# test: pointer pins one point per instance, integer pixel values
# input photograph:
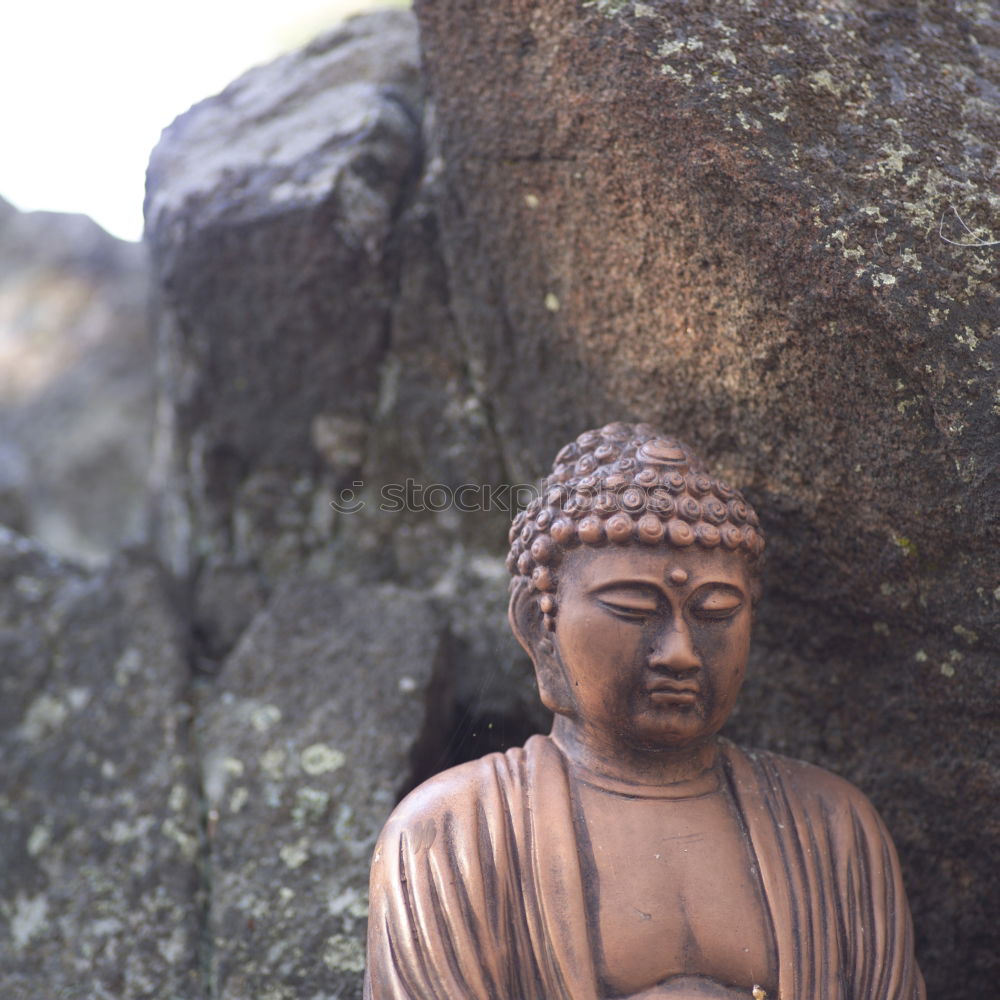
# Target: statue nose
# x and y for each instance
(673, 649)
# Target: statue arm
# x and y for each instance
(880, 954)
(439, 926)
(418, 946)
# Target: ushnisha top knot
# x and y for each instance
(628, 483)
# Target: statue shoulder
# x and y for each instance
(810, 784)
(459, 795)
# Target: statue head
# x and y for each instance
(619, 497)
(620, 485)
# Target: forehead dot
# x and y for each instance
(678, 576)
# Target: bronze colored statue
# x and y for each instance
(633, 852)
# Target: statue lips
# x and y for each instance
(674, 692)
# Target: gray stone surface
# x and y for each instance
(326, 712)
(733, 219)
(99, 802)
(305, 341)
(307, 344)
(76, 383)
(269, 213)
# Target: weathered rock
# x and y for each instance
(99, 803)
(308, 344)
(724, 217)
(326, 712)
(76, 383)
(269, 210)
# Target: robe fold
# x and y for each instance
(477, 891)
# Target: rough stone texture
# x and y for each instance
(724, 217)
(306, 343)
(268, 211)
(326, 712)
(99, 803)
(76, 383)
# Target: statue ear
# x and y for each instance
(525, 619)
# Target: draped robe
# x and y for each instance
(477, 890)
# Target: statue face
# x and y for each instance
(653, 642)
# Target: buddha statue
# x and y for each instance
(634, 852)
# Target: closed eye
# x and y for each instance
(715, 614)
(716, 605)
(629, 602)
(627, 612)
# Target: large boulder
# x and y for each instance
(270, 211)
(76, 383)
(746, 223)
(100, 891)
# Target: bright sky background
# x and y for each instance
(86, 86)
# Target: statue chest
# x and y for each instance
(672, 890)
